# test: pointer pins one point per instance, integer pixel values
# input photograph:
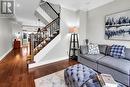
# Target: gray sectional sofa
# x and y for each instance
(119, 68)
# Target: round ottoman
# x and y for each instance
(77, 74)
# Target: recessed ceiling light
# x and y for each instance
(17, 5)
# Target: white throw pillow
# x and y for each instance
(93, 48)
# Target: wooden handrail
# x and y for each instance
(52, 8)
(51, 23)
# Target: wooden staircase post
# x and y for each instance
(30, 58)
(32, 44)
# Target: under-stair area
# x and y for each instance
(47, 37)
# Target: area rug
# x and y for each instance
(52, 80)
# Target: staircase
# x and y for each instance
(49, 14)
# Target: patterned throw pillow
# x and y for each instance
(93, 49)
(117, 51)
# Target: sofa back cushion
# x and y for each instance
(108, 50)
(102, 48)
(127, 53)
(84, 49)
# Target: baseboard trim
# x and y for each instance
(46, 62)
(2, 57)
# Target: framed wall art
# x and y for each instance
(117, 26)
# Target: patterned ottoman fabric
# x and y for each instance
(78, 74)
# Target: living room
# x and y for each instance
(50, 63)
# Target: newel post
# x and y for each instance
(32, 46)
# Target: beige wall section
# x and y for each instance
(16, 28)
(82, 15)
(8, 30)
(96, 22)
(5, 36)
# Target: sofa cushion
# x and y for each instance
(93, 57)
(117, 51)
(84, 49)
(121, 65)
(108, 50)
(93, 48)
(102, 48)
(127, 53)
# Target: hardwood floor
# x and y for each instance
(14, 71)
(51, 68)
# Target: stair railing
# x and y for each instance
(43, 2)
(43, 36)
(52, 8)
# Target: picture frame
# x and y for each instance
(117, 26)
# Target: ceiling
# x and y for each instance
(25, 8)
(24, 11)
(80, 4)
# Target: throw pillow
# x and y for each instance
(108, 50)
(93, 49)
(117, 51)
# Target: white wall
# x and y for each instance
(96, 22)
(82, 26)
(16, 28)
(68, 19)
(5, 37)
